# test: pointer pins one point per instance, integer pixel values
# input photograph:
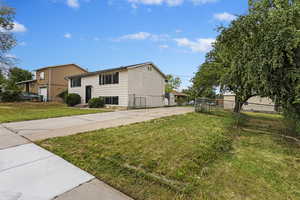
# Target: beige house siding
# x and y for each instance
(120, 89)
(260, 104)
(54, 80)
(229, 101)
(58, 83)
(147, 82)
(142, 81)
(255, 103)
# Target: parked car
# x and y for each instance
(31, 97)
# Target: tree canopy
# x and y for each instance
(172, 84)
(258, 54)
(7, 39)
(17, 74)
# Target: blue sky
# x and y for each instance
(98, 34)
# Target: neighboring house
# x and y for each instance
(139, 85)
(176, 98)
(256, 103)
(50, 81)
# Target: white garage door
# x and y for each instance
(44, 93)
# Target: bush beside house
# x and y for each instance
(10, 96)
(97, 102)
(63, 95)
(73, 99)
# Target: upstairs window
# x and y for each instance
(112, 78)
(42, 75)
(76, 82)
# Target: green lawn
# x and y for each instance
(10, 112)
(192, 156)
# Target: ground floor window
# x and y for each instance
(111, 100)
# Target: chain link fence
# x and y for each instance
(145, 101)
(207, 105)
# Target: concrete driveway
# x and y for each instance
(29, 172)
(62, 126)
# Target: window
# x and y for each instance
(112, 78)
(42, 75)
(116, 78)
(111, 100)
(76, 82)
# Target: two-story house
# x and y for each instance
(139, 85)
(51, 80)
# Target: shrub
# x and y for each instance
(63, 95)
(97, 102)
(10, 96)
(73, 99)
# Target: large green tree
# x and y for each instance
(7, 39)
(172, 84)
(2, 78)
(17, 74)
(259, 54)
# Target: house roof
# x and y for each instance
(55, 66)
(27, 81)
(178, 93)
(228, 93)
(118, 69)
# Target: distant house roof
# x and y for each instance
(27, 81)
(118, 69)
(178, 93)
(55, 66)
(227, 93)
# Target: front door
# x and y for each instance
(88, 93)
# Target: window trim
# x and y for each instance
(42, 77)
(72, 85)
(111, 100)
(111, 78)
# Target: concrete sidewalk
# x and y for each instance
(29, 172)
(62, 126)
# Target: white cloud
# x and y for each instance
(157, 2)
(197, 2)
(22, 43)
(143, 36)
(18, 27)
(224, 17)
(178, 31)
(169, 2)
(164, 46)
(68, 35)
(12, 56)
(202, 45)
(136, 36)
(73, 3)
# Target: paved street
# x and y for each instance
(29, 172)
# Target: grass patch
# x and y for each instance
(192, 156)
(21, 111)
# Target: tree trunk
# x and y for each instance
(239, 102)
(238, 106)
